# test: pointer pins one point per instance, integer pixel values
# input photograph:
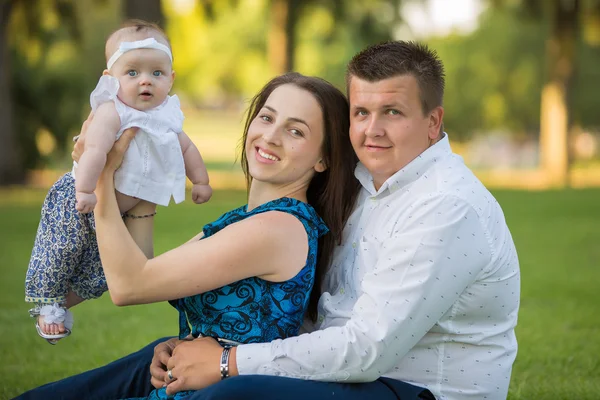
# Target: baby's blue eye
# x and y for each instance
(157, 73)
(132, 72)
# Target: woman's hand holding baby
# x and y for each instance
(86, 202)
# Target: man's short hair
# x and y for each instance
(396, 58)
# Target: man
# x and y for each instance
(425, 288)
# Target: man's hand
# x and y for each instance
(85, 202)
(158, 367)
(194, 365)
(201, 193)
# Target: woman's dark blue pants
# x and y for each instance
(130, 377)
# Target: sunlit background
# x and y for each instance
(522, 75)
(521, 106)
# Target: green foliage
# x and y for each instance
(586, 85)
(221, 52)
(56, 61)
(330, 33)
(219, 56)
(493, 76)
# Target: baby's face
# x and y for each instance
(145, 78)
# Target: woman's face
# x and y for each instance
(284, 141)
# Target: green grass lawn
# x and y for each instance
(557, 235)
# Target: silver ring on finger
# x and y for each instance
(170, 374)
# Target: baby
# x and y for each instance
(133, 91)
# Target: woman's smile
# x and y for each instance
(265, 156)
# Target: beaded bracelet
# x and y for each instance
(127, 215)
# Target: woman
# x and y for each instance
(249, 278)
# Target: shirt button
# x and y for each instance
(342, 291)
(321, 318)
(353, 245)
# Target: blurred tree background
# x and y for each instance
(527, 73)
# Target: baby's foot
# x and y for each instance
(51, 328)
(54, 320)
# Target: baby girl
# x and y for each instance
(133, 91)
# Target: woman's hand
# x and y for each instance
(195, 365)
(115, 156)
(158, 367)
(80, 139)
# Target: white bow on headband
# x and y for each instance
(149, 43)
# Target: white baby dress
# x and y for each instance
(153, 168)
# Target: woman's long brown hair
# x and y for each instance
(331, 193)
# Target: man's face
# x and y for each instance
(387, 126)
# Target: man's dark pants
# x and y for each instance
(130, 377)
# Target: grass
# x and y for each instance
(557, 235)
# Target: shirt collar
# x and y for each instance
(410, 173)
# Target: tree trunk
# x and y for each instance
(148, 10)
(555, 118)
(282, 35)
(11, 168)
(290, 32)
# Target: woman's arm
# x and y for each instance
(272, 245)
(141, 229)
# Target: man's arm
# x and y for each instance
(420, 272)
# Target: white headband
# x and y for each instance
(149, 43)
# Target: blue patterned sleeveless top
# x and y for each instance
(254, 310)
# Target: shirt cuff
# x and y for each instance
(254, 358)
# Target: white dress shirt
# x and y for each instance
(153, 168)
(424, 289)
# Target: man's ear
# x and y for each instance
(105, 72)
(321, 166)
(436, 117)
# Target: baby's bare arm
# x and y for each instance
(194, 165)
(100, 137)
